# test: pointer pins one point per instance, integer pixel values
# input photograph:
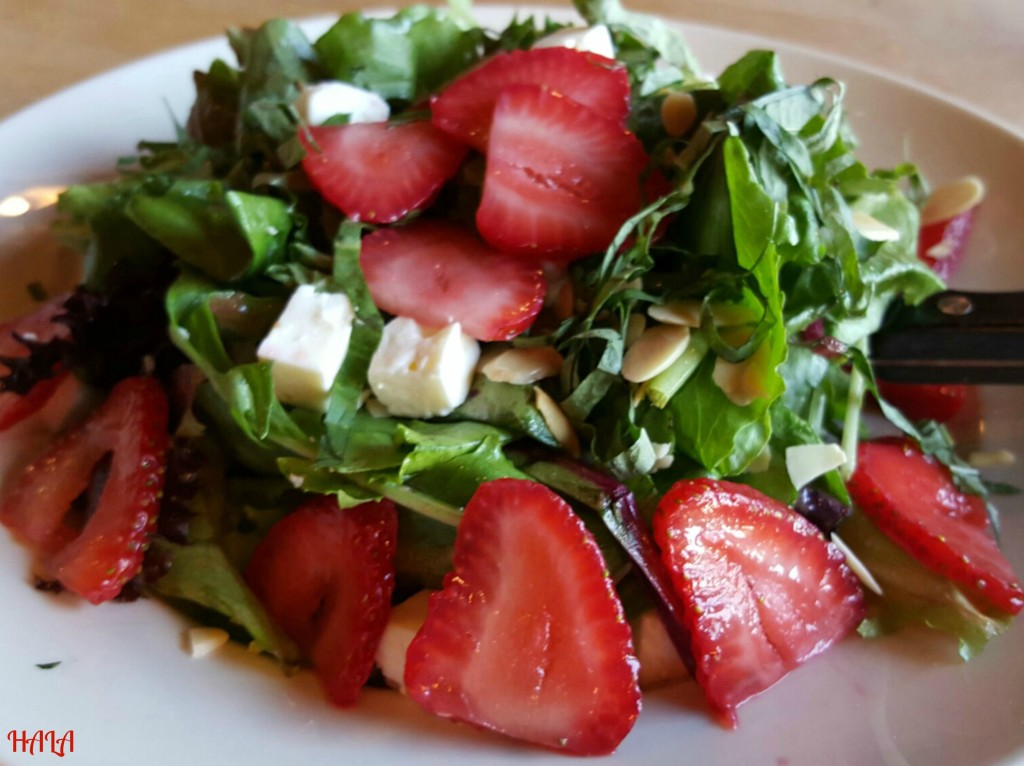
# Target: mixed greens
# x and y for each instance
(201, 241)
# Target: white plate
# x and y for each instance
(131, 694)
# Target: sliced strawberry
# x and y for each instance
(325, 575)
(377, 172)
(528, 637)
(34, 327)
(98, 559)
(438, 273)
(946, 223)
(764, 590)
(14, 408)
(560, 180)
(942, 244)
(465, 107)
(912, 499)
(925, 401)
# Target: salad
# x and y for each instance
(562, 339)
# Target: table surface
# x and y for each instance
(972, 50)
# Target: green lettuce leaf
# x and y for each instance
(407, 56)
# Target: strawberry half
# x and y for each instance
(925, 401)
(96, 560)
(912, 499)
(560, 179)
(465, 107)
(946, 223)
(438, 273)
(36, 327)
(528, 637)
(764, 590)
(378, 172)
(325, 575)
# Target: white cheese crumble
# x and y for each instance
(418, 372)
(307, 346)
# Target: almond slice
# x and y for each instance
(678, 113)
(872, 229)
(654, 351)
(740, 380)
(557, 421)
(857, 566)
(953, 199)
(686, 313)
(203, 641)
(522, 366)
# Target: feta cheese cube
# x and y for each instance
(658, 657)
(596, 39)
(403, 625)
(422, 373)
(323, 100)
(307, 345)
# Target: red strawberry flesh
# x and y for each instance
(37, 326)
(325, 575)
(912, 498)
(942, 244)
(377, 172)
(96, 561)
(528, 637)
(465, 108)
(763, 589)
(560, 180)
(439, 273)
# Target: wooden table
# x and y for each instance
(972, 50)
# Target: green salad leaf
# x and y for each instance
(751, 229)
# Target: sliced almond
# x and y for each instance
(374, 408)
(678, 113)
(403, 623)
(686, 313)
(740, 380)
(953, 199)
(806, 462)
(203, 641)
(522, 366)
(945, 249)
(857, 566)
(654, 351)
(557, 422)
(872, 229)
(658, 656)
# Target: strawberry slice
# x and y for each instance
(946, 223)
(764, 590)
(325, 575)
(925, 401)
(528, 637)
(465, 107)
(560, 179)
(439, 273)
(96, 559)
(36, 327)
(912, 499)
(377, 172)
